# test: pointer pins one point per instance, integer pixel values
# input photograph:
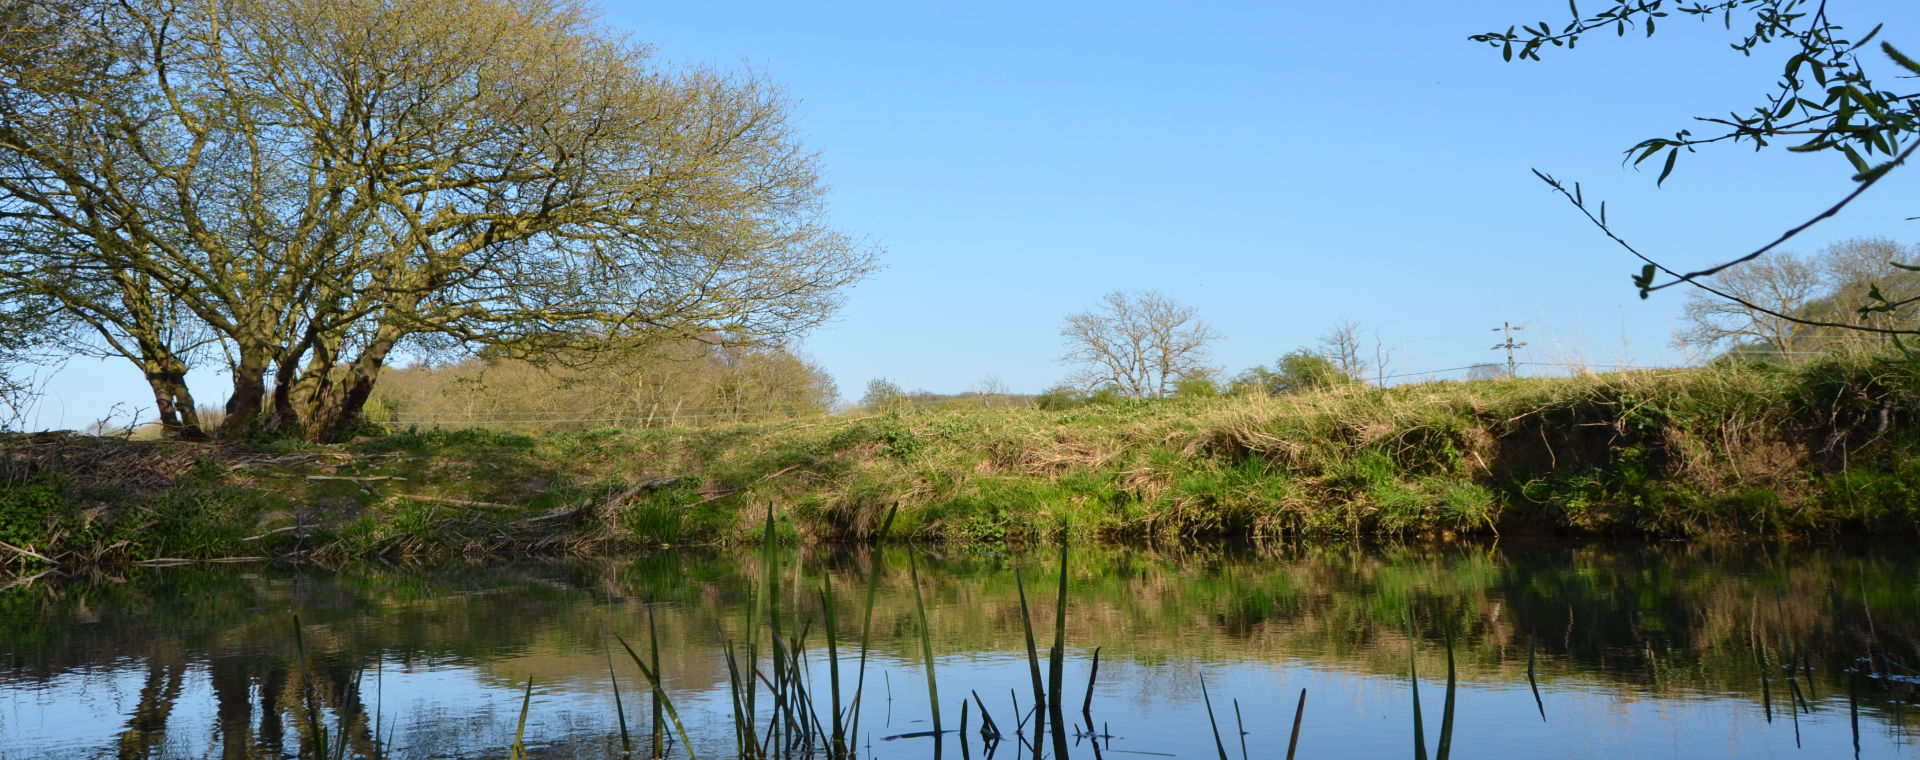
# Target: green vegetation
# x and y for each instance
(417, 176)
(1821, 448)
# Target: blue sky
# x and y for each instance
(1278, 168)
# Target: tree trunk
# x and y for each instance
(248, 399)
(167, 376)
(338, 399)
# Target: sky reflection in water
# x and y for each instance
(1640, 651)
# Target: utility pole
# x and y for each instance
(1507, 328)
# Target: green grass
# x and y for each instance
(1828, 447)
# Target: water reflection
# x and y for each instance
(1662, 648)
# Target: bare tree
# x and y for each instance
(1341, 345)
(1856, 268)
(27, 328)
(1784, 283)
(1142, 343)
(1382, 356)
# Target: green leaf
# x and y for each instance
(1506, 52)
(1644, 280)
(1859, 164)
(1900, 58)
(1672, 155)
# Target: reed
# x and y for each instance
(1057, 656)
(519, 749)
(619, 710)
(866, 621)
(988, 730)
(1535, 685)
(1086, 706)
(1446, 713)
(659, 733)
(926, 643)
(1240, 725)
(837, 743)
(1300, 710)
(1033, 665)
(1211, 723)
(659, 689)
(1419, 729)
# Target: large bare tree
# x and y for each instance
(301, 188)
(1767, 292)
(1141, 343)
(1789, 303)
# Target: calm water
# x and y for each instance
(1659, 651)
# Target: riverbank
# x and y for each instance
(1822, 449)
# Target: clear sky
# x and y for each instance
(1280, 167)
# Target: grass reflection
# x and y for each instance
(1808, 632)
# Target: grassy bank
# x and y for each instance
(1824, 448)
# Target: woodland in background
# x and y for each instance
(687, 383)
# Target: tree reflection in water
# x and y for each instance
(434, 658)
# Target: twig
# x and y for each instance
(1573, 198)
(364, 479)
(170, 561)
(1874, 177)
(29, 553)
(457, 502)
(272, 532)
(26, 581)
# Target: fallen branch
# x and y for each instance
(26, 580)
(456, 502)
(28, 553)
(361, 479)
(272, 532)
(171, 561)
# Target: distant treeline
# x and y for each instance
(688, 383)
